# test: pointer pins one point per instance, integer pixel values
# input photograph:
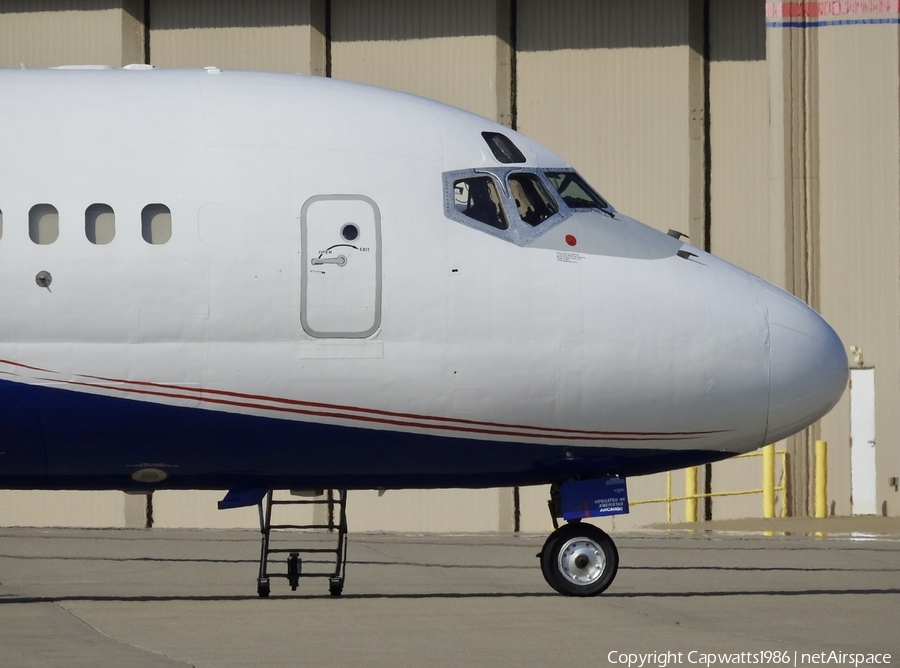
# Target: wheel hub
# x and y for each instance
(581, 561)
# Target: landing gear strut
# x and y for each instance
(579, 559)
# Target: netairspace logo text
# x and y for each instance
(795, 659)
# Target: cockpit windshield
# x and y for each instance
(533, 202)
(518, 204)
(479, 198)
(576, 193)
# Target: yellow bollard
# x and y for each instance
(668, 497)
(768, 457)
(690, 491)
(821, 479)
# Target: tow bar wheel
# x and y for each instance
(579, 560)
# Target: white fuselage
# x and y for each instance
(246, 329)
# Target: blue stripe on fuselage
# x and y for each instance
(54, 438)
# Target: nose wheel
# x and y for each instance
(579, 559)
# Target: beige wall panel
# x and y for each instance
(793, 221)
(835, 430)
(739, 121)
(739, 186)
(421, 510)
(70, 32)
(271, 35)
(445, 510)
(177, 509)
(454, 51)
(860, 231)
(647, 488)
(397, 510)
(606, 85)
(742, 475)
(40, 508)
(778, 65)
(535, 516)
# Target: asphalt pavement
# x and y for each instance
(164, 598)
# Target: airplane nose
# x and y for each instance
(807, 365)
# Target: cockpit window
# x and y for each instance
(576, 193)
(479, 198)
(503, 148)
(516, 204)
(534, 203)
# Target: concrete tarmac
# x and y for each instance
(166, 598)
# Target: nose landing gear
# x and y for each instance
(578, 559)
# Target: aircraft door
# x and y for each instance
(863, 486)
(341, 266)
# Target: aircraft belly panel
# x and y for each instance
(95, 441)
(21, 436)
(341, 266)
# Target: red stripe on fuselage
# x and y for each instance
(353, 413)
(600, 436)
(546, 431)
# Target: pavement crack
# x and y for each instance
(119, 642)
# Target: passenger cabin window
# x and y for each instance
(479, 198)
(534, 203)
(99, 224)
(43, 224)
(156, 224)
(576, 193)
(503, 148)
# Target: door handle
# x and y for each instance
(340, 260)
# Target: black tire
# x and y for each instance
(262, 588)
(335, 587)
(579, 559)
(546, 570)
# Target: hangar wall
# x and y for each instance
(48, 33)
(768, 131)
(858, 249)
(455, 51)
(738, 198)
(272, 35)
(612, 86)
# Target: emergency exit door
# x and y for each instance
(341, 266)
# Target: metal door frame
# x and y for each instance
(305, 258)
